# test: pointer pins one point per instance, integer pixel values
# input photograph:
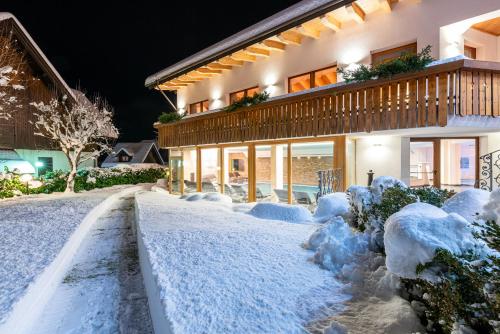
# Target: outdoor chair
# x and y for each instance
(189, 186)
(302, 197)
(282, 195)
(208, 187)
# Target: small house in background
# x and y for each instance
(144, 152)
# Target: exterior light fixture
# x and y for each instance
(38, 164)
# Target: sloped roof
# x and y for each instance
(138, 151)
(279, 22)
(36, 52)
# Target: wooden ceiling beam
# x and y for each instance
(179, 81)
(243, 56)
(230, 61)
(218, 66)
(199, 75)
(208, 70)
(291, 37)
(257, 51)
(331, 22)
(386, 5)
(189, 78)
(356, 12)
(274, 45)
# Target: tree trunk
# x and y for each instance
(70, 183)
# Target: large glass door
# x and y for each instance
(424, 162)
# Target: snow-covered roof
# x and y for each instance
(9, 155)
(38, 52)
(266, 28)
(137, 151)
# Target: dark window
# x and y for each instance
(238, 165)
(236, 96)
(44, 165)
(391, 54)
(317, 78)
(123, 158)
(198, 107)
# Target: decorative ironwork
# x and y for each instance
(490, 171)
(329, 181)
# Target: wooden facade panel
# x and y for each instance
(415, 100)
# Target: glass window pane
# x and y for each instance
(233, 97)
(204, 105)
(270, 173)
(300, 83)
(307, 160)
(252, 91)
(325, 77)
(421, 164)
(175, 168)
(236, 173)
(194, 108)
(189, 162)
(210, 170)
(388, 55)
(458, 164)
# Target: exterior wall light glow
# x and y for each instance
(38, 164)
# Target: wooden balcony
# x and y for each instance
(422, 99)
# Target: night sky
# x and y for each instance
(110, 47)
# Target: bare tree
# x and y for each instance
(13, 74)
(82, 129)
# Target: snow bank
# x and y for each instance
(413, 234)
(491, 210)
(336, 245)
(468, 203)
(212, 197)
(280, 211)
(220, 271)
(331, 205)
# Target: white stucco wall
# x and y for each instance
(58, 158)
(385, 155)
(410, 21)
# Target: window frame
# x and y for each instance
(374, 54)
(472, 50)
(312, 77)
(244, 91)
(200, 103)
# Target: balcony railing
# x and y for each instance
(414, 100)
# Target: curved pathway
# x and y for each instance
(103, 291)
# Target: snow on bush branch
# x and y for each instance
(82, 129)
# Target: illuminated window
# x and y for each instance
(236, 96)
(197, 107)
(318, 78)
(470, 52)
(391, 54)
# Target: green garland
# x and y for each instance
(407, 62)
(248, 101)
(170, 117)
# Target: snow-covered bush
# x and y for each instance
(371, 206)
(279, 211)
(90, 178)
(468, 203)
(331, 205)
(10, 184)
(450, 268)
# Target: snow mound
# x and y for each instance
(336, 245)
(279, 211)
(491, 210)
(381, 183)
(413, 234)
(468, 203)
(159, 189)
(331, 205)
(217, 197)
(193, 197)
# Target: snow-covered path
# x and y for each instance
(103, 291)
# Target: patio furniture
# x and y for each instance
(208, 187)
(282, 195)
(189, 186)
(302, 197)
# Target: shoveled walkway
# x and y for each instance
(103, 292)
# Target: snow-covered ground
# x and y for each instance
(103, 291)
(223, 271)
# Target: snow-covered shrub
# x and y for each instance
(332, 205)
(491, 211)
(91, 178)
(371, 206)
(279, 211)
(468, 203)
(10, 184)
(455, 280)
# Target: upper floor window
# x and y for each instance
(235, 96)
(318, 78)
(391, 54)
(470, 52)
(198, 107)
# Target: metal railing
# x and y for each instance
(490, 171)
(329, 181)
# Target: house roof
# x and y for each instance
(138, 151)
(6, 154)
(275, 24)
(35, 51)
